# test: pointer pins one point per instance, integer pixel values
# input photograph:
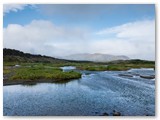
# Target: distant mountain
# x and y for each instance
(12, 55)
(97, 57)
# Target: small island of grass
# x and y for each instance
(118, 65)
(38, 74)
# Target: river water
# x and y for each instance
(92, 95)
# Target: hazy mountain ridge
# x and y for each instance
(96, 57)
(12, 55)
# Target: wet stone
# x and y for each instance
(147, 77)
(116, 113)
(105, 114)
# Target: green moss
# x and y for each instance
(6, 71)
(93, 68)
(34, 73)
(104, 68)
(117, 68)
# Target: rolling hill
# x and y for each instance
(97, 57)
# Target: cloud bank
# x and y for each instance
(134, 39)
(44, 37)
(137, 38)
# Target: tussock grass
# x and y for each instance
(6, 71)
(115, 67)
(41, 72)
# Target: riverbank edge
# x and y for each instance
(8, 82)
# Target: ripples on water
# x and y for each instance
(93, 94)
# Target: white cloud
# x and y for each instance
(138, 29)
(136, 40)
(13, 7)
(43, 37)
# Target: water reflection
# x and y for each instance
(68, 68)
(29, 84)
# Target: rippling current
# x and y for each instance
(92, 95)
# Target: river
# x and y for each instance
(94, 94)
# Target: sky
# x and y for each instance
(64, 29)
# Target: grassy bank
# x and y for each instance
(50, 72)
(44, 73)
(116, 66)
(39, 73)
(6, 70)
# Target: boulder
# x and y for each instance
(125, 75)
(105, 114)
(148, 77)
(116, 113)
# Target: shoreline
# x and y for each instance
(34, 82)
(7, 82)
(30, 82)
